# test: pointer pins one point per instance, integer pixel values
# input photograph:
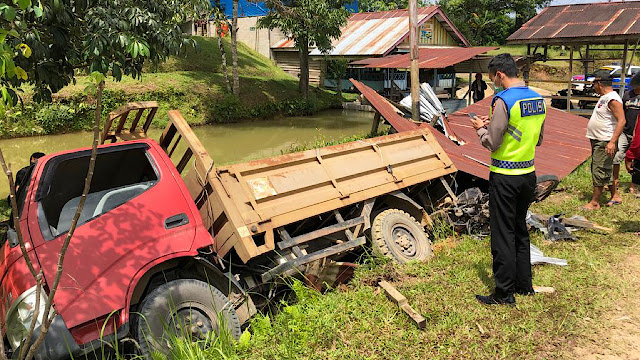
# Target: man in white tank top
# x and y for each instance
(605, 126)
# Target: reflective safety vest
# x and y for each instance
(526, 111)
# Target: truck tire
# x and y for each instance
(397, 235)
(188, 308)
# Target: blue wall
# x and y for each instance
(247, 8)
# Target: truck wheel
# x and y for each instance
(397, 235)
(184, 308)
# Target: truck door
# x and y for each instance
(134, 213)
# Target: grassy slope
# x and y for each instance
(192, 83)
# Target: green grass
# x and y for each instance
(358, 322)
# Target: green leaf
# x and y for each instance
(13, 32)
(134, 51)
(9, 13)
(37, 11)
(20, 73)
(24, 4)
(10, 67)
(245, 338)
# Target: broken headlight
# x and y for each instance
(20, 315)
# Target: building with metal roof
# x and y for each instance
(578, 27)
(374, 34)
(595, 23)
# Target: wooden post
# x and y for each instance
(525, 73)
(623, 77)
(376, 123)
(570, 75)
(415, 78)
(586, 63)
(469, 92)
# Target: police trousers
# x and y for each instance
(509, 200)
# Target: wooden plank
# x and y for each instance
(150, 117)
(400, 300)
(123, 119)
(134, 124)
(585, 224)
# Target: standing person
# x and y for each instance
(604, 128)
(478, 88)
(632, 158)
(512, 134)
(21, 175)
(631, 106)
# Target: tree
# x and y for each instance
(384, 5)
(307, 22)
(44, 45)
(489, 22)
(234, 49)
(221, 23)
(107, 36)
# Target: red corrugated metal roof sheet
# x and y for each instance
(617, 21)
(429, 58)
(564, 146)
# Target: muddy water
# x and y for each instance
(225, 143)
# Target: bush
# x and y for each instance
(55, 118)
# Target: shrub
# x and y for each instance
(55, 118)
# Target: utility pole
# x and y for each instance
(415, 78)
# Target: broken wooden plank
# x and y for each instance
(400, 300)
(585, 224)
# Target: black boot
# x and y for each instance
(526, 292)
(493, 299)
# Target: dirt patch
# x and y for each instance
(619, 334)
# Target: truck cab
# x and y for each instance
(138, 229)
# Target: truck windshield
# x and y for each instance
(119, 176)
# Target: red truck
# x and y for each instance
(143, 258)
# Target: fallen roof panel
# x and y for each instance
(564, 146)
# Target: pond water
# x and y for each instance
(226, 143)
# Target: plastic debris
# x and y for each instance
(537, 257)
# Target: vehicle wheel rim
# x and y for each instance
(191, 322)
(404, 241)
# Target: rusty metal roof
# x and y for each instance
(614, 22)
(429, 58)
(564, 146)
(377, 33)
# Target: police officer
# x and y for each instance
(512, 132)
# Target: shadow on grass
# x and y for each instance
(628, 226)
(483, 274)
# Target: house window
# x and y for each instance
(253, 28)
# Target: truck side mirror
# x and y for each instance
(12, 236)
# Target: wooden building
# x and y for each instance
(373, 34)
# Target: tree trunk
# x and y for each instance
(219, 16)
(303, 51)
(234, 48)
(49, 312)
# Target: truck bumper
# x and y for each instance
(58, 342)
